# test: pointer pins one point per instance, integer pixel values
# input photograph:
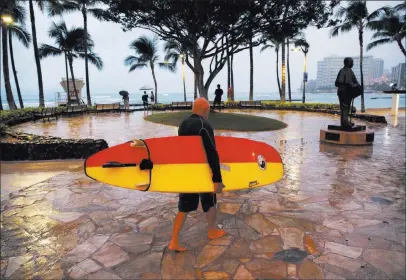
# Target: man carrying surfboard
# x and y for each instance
(197, 124)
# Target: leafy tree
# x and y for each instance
(355, 15)
(390, 26)
(146, 50)
(85, 7)
(70, 43)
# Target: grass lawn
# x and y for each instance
(221, 121)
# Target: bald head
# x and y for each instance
(201, 107)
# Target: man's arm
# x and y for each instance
(212, 156)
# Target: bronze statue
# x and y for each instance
(348, 89)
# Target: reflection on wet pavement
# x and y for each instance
(339, 212)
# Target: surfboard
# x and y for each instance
(178, 164)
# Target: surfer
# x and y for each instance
(197, 124)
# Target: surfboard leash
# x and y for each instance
(147, 164)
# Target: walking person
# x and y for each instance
(197, 124)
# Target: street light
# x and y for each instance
(6, 19)
(183, 75)
(305, 77)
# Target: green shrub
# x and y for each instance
(6, 115)
(3, 129)
(232, 104)
(294, 105)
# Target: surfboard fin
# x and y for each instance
(137, 143)
(141, 187)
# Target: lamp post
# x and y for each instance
(305, 75)
(6, 19)
(183, 75)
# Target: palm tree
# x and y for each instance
(390, 27)
(251, 68)
(146, 50)
(355, 15)
(25, 38)
(70, 43)
(85, 7)
(17, 13)
(7, 85)
(52, 6)
(276, 45)
(173, 51)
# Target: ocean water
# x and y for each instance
(372, 100)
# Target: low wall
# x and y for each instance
(33, 147)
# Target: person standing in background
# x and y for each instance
(152, 97)
(218, 98)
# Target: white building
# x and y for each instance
(329, 67)
(398, 75)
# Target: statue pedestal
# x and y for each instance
(356, 135)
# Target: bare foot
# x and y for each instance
(176, 248)
(216, 233)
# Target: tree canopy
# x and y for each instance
(202, 27)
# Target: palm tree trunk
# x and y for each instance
(9, 93)
(67, 78)
(20, 99)
(228, 62)
(232, 79)
(85, 26)
(155, 83)
(401, 46)
(251, 69)
(73, 78)
(362, 97)
(37, 57)
(282, 93)
(288, 70)
(278, 78)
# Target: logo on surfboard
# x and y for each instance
(261, 162)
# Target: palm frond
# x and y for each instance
(265, 47)
(382, 34)
(172, 56)
(341, 12)
(17, 12)
(99, 14)
(378, 43)
(20, 33)
(334, 31)
(94, 59)
(47, 50)
(145, 46)
(59, 7)
(168, 66)
(346, 27)
(131, 59)
(137, 66)
(400, 7)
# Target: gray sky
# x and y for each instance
(111, 43)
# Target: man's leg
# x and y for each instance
(208, 202)
(186, 204)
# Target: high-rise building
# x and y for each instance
(398, 75)
(329, 67)
(378, 67)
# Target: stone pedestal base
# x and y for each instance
(357, 136)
